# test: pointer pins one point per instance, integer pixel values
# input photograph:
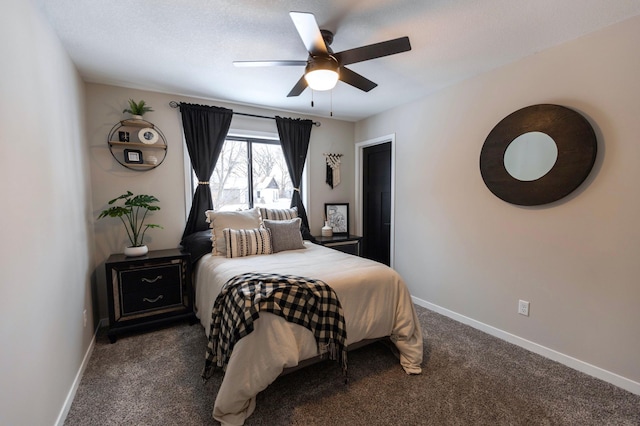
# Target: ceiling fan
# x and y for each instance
(323, 67)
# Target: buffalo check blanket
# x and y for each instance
(304, 301)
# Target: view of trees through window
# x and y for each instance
(250, 173)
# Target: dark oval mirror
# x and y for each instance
(568, 131)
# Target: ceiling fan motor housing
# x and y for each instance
(327, 62)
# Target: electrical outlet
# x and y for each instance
(523, 308)
(84, 317)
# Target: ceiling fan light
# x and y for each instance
(322, 79)
(322, 73)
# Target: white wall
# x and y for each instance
(47, 242)
(577, 260)
(110, 179)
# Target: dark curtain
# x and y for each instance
(294, 139)
(205, 129)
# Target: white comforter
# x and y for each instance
(375, 303)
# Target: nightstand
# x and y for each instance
(345, 243)
(148, 290)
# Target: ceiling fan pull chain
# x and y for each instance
(331, 103)
(311, 98)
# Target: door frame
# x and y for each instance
(359, 147)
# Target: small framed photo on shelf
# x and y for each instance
(133, 156)
(123, 136)
(337, 214)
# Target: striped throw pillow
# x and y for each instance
(247, 242)
(279, 214)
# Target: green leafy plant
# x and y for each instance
(139, 108)
(132, 211)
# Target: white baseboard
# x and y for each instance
(576, 364)
(76, 382)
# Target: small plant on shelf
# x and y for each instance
(132, 211)
(137, 109)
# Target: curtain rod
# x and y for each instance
(174, 104)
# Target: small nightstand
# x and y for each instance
(345, 243)
(148, 290)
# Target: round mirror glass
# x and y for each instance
(530, 156)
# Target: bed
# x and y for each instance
(375, 303)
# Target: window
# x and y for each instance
(250, 172)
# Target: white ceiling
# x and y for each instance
(186, 47)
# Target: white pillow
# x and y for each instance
(285, 234)
(247, 242)
(245, 219)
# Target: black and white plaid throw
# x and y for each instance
(304, 301)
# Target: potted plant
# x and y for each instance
(137, 109)
(132, 211)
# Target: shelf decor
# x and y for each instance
(133, 156)
(148, 135)
(137, 109)
(140, 135)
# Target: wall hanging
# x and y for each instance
(538, 154)
(333, 169)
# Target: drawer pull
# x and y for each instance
(147, 280)
(144, 299)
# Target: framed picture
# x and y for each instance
(337, 215)
(133, 156)
(123, 136)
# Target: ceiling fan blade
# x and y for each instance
(372, 51)
(309, 32)
(356, 80)
(298, 88)
(269, 63)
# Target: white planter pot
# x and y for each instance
(136, 251)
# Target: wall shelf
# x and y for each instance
(124, 138)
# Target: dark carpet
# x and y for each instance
(469, 378)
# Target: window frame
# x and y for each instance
(263, 137)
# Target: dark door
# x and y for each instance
(376, 202)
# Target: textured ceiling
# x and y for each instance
(187, 47)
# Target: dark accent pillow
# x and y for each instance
(198, 244)
(285, 234)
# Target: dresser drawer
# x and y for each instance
(344, 243)
(152, 298)
(141, 279)
(350, 247)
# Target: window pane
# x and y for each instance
(272, 186)
(229, 183)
